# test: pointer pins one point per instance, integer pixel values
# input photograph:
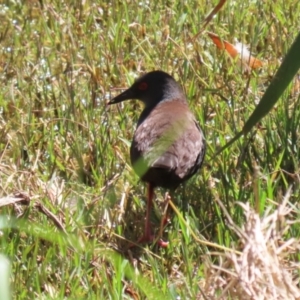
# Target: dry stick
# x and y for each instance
(195, 236)
(23, 197)
(12, 199)
(51, 216)
(207, 20)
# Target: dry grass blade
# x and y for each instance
(261, 271)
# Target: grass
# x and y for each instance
(64, 155)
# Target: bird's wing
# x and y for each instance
(167, 139)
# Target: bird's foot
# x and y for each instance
(149, 239)
(163, 244)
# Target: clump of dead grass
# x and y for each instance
(263, 269)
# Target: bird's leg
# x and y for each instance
(148, 236)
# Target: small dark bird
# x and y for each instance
(168, 146)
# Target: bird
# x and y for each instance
(168, 145)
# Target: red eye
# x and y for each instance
(143, 86)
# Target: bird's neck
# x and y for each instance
(145, 113)
(173, 91)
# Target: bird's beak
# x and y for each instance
(126, 95)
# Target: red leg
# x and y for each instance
(148, 237)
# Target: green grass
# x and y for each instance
(62, 147)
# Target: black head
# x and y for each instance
(152, 88)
